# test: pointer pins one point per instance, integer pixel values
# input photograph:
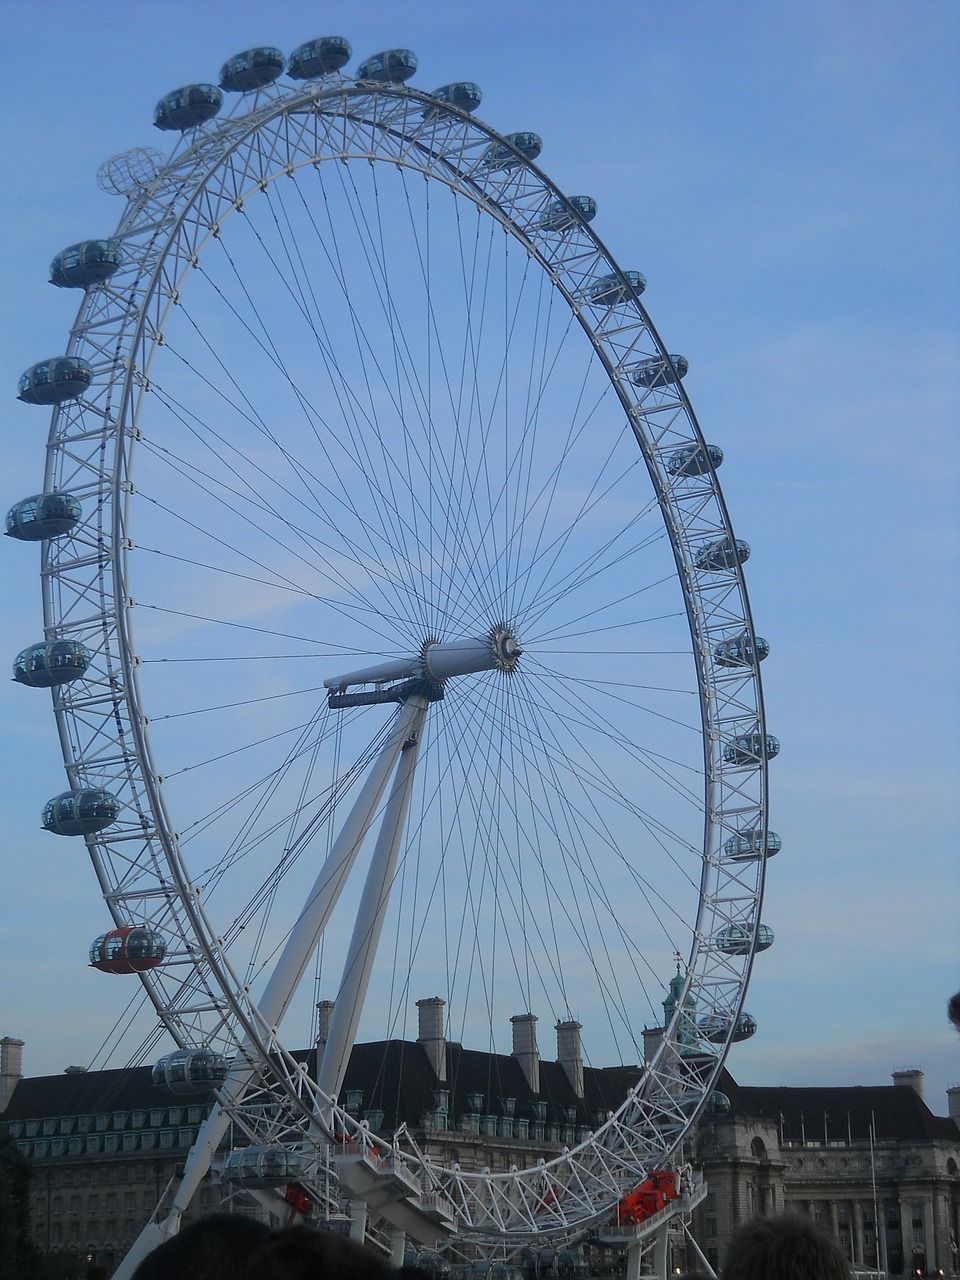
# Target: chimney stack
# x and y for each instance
(525, 1048)
(912, 1078)
(569, 1053)
(652, 1039)
(11, 1068)
(432, 1035)
(953, 1103)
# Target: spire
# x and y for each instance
(686, 1033)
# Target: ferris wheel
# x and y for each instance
(398, 639)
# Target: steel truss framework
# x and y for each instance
(175, 207)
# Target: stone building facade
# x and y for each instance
(873, 1164)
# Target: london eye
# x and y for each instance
(398, 640)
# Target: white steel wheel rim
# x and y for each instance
(172, 232)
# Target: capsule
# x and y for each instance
(81, 265)
(188, 107)
(187, 1071)
(727, 553)
(262, 1167)
(718, 1104)
(51, 663)
(744, 650)
(749, 748)
(43, 515)
(571, 1262)
(610, 290)
(558, 216)
(80, 813)
(694, 460)
(129, 949)
(735, 939)
(658, 372)
(252, 69)
(464, 95)
(318, 58)
(749, 846)
(431, 1265)
(500, 155)
(55, 380)
(393, 66)
(714, 1027)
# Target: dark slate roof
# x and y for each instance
(87, 1092)
(840, 1111)
(395, 1076)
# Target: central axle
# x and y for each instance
(498, 650)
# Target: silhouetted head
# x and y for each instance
(301, 1253)
(214, 1248)
(784, 1248)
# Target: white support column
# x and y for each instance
(398, 1245)
(358, 1220)
(661, 1252)
(635, 1260)
(372, 911)
(282, 984)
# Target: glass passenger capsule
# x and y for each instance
(81, 265)
(743, 650)
(714, 1027)
(501, 156)
(748, 846)
(734, 939)
(318, 58)
(43, 515)
(55, 380)
(50, 663)
(261, 1167)
(252, 69)
(188, 107)
(80, 813)
(129, 949)
(431, 1265)
(727, 553)
(393, 66)
(609, 290)
(571, 1262)
(718, 1104)
(657, 372)
(558, 217)
(694, 460)
(748, 748)
(187, 1071)
(464, 94)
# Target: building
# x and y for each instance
(873, 1164)
(104, 1145)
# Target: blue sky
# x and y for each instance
(785, 175)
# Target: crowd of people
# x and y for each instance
(234, 1247)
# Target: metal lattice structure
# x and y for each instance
(549, 450)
